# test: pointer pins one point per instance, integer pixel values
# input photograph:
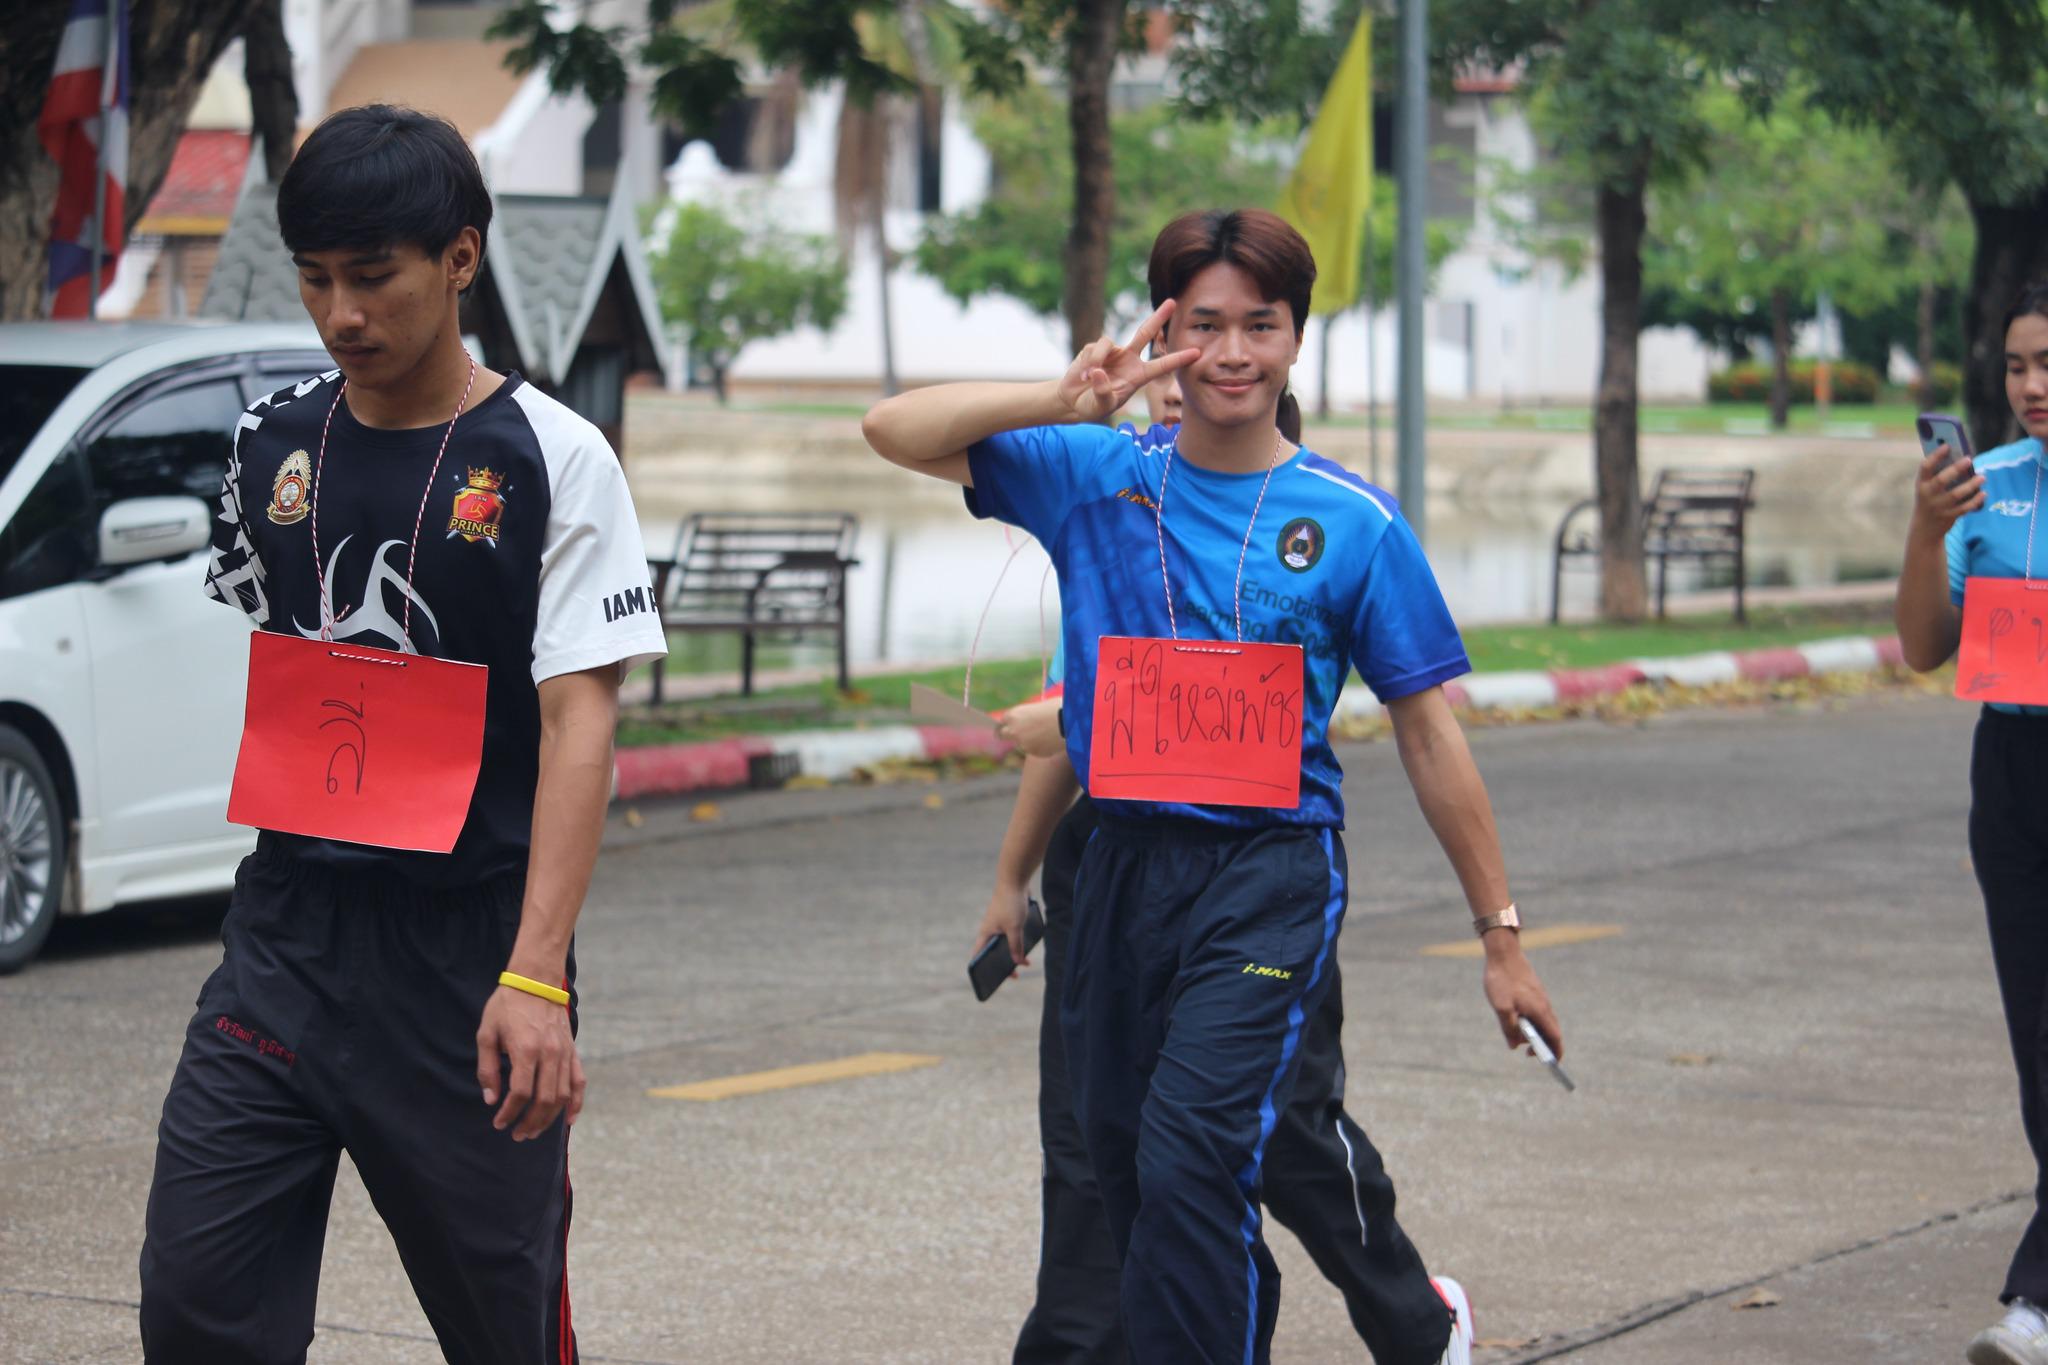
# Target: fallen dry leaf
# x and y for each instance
(634, 819)
(933, 801)
(705, 811)
(1760, 1298)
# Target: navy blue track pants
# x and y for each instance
(1198, 956)
(1324, 1180)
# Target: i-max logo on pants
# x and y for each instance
(1254, 969)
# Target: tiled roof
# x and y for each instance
(253, 280)
(197, 197)
(549, 243)
(546, 247)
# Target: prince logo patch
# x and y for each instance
(479, 508)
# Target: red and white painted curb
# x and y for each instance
(1530, 689)
(725, 764)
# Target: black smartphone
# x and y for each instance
(1937, 429)
(992, 966)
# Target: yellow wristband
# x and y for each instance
(532, 987)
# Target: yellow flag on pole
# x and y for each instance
(1330, 192)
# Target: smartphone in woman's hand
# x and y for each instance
(1938, 429)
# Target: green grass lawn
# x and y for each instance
(1499, 648)
(1737, 419)
(885, 700)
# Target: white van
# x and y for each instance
(121, 683)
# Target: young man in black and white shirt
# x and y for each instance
(359, 1006)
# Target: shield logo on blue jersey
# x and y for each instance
(1300, 544)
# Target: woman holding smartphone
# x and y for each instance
(1976, 519)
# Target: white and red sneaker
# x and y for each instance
(1459, 1352)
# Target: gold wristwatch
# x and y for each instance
(1509, 918)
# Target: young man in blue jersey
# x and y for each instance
(1203, 933)
(1324, 1179)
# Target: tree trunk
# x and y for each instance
(1781, 359)
(2012, 248)
(1623, 590)
(886, 267)
(273, 99)
(1923, 344)
(172, 46)
(1091, 59)
(718, 383)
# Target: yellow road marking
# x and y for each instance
(789, 1077)
(1549, 936)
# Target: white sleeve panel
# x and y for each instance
(596, 604)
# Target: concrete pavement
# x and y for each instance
(1792, 1073)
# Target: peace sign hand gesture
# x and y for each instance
(1105, 375)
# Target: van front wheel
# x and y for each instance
(33, 857)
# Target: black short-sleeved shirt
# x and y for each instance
(530, 562)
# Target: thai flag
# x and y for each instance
(84, 126)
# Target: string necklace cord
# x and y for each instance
(1044, 655)
(967, 683)
(1237, 584)
(2033, 513)
(419, 518)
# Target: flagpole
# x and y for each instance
(1412, 165)
(110, 75)
(1372, 379)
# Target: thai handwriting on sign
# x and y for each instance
(1197, 722)
(2004, 653)
(354, 740)
(304, 764)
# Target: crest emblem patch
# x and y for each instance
(291, 491)
(479, 507)
(1300, 544)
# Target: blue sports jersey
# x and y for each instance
(1991, 542)
(1331, 567)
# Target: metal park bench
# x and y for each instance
(1692, 514)
(776, 574)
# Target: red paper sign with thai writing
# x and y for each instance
(2004, 654)
(368, 746)
(1198, 721)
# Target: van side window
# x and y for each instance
(170, 444)
(53, 537)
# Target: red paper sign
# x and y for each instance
(1206, 722)
(2004, 655)
(368, 746)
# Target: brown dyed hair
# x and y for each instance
(1260, 243)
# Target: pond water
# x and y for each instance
(930, 573)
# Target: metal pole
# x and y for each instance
(1411, 151)
(1372, 361)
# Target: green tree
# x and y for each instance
(1957, 88)
(697, 52)
(1618, 85)
(724, 285)
(1009, 243)
(1786, 214)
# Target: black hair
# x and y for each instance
(2032, 298)
(381, 175)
